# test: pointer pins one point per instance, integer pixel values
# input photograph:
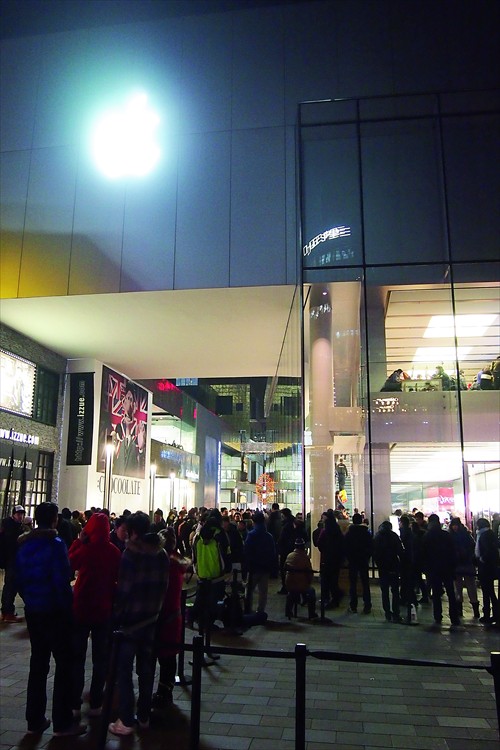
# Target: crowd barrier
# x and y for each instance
(202, 648)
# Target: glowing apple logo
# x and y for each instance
(124, 139)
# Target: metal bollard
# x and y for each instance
(300, 696)
(494, 670)
(198, 649)
(181, 678)
(110, 688)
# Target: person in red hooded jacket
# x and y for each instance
(97, 562)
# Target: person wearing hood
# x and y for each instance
(97, 562)
(388, 553)
(43, 577)
(487, 555)
(142, 582)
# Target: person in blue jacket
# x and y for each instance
(43, 576)
(260, 560)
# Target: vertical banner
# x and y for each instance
(124, 417)
(81, 419)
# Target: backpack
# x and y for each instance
(208, 559)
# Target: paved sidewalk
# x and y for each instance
(249, 703)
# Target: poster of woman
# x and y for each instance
(124, 415)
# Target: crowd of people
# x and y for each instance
(85, 575)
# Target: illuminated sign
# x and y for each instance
(257, 447)
(17, 384)
(385, 405)
(19, 437)
(331, 234)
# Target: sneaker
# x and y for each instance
(120, 729)
(367, 609)
(12, 618)
(73, 731)
(352, 611)
(93, 712)
(41, 729)
(388, 616)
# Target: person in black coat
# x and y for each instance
(331, 546)
(488, 562)
(388, 553)
(286, 543)
(358, 549)
(440, 562)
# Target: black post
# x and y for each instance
(248, 595)
(300, 696)
(181, 678)
(198, 649)
(495, 671)
(107, 703)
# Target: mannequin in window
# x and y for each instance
(341, 473)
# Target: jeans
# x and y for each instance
(9, 590)
(100, 651)
(491, 606)
(259, 581)
(437, 582)
(389, 582)
(362, 571)
(138, 646)
(50, 635)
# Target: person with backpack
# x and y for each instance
(212, 562)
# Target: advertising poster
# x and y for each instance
(123, 416)
(81, 419)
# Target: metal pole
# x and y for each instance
(300, 696)
(194, 742)
(181, 679)
(494, 670)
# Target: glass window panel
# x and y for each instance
(402, 192)
(331, 228)
(472, 158)
(413, 373)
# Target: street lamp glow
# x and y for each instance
(124, 139)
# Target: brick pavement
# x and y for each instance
(249, 703)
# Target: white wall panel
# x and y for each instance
(258, 69)
(19, 71)
(258, 234)
(202, 237)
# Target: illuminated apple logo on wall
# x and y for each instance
(124, 139)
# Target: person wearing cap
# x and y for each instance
(11, 530)
(298, 579)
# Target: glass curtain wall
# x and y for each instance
(401, 334)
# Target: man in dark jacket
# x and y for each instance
(142, 582)
(12, 528)
(358, 550)
(286, 543)
(488, 560)
(260, 560)
(388, 554)
(43, 576)
(440, 561)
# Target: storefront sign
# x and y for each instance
(81, 419)
(19, 437)
(121, 486)
(331, 234)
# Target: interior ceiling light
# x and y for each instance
(124, 139)
(442, 326)
(440, 354)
